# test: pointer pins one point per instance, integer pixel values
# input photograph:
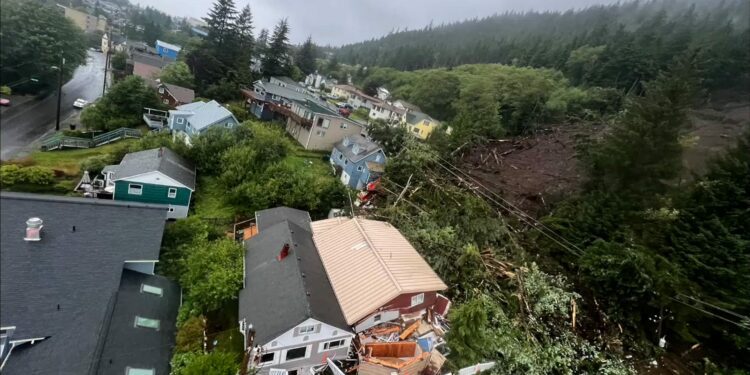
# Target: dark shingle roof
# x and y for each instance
(161, 160)
(278, 295)
(367, 147)
(126, 345)
(182, 94)
(78, 270)
(267, 218)
(150, 60)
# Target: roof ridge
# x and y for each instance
(377, 255)
(293, 245)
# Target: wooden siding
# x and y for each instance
(152, 194)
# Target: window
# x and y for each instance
(415, 129)
(341, 156)
(306, 329)
(359, 169)
(172, 193)
(146, 323)
(417, 299)
(379, 157)
(376, 318)
(165, 101)
(135, 189)
(296, 353)
(180, 120)
(321, 133)
(161, 90)
(268, 357)
(138, 371)
(155, 290)
(275, 97)
(344, 126)
(333, 344)
(326, 123)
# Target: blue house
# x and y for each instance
(360, 161)
(266, 94)
(192, 119)
(167, 50)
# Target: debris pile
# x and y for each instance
(412, 344)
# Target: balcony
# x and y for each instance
(287, 112)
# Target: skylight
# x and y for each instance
(139, 371)
(145, 288)
(146, 322)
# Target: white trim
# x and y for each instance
(308, 351)
(420, 299)
(169, 181)
(135, 189)
(171, 194)
(321, 346)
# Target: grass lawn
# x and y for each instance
(361, 115)
(209, 200)
(312, 161)
(65, 164)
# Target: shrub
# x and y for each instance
(95, 164)
(12, 174)
(190, 335)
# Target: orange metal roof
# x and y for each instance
(370, 263)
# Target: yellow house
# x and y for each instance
(420, 125)
(85, 21)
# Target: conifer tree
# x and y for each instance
(221, 23)
(306, 57)
(276, 59)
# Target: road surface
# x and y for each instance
(21, 126)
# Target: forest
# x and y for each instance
(608, 45)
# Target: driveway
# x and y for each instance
(20, 126)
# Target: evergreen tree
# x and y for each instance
(221, 24)
(306, 57)
(261, 44)
(276, 59)
(245, 30)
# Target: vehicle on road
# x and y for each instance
(80, 103)
(4, 102)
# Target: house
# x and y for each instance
(117, 43)
(317, 126)
(157, 176)
(343, 91)
(420, 125)
(316, 80)
(386, 112)
(289, 83)
(172, 95)
(404, 105)
(359, 99)
(86, 22)
(77, 289)
(265, 97)
(288, 311)
(167, 50)
(383, 93)
(146, 65)
(359, 160)
(192, 119)
(389, 271)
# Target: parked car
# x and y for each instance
(345, 112)
(80, 103)
(4, 102)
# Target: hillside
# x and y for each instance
(610, 46)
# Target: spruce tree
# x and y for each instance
(276, 59)
(221, 24)
(306, 57)
(245, 29)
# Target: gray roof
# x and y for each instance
(182, 94)
(267, 218)
(149, 59)
(280, 294)
(367, 147)
(161, 160)
(78, 270)
(124, 341)
(415, 117)
(203, 114)
(288, 81)
(283, 92)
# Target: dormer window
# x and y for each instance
(355, 148)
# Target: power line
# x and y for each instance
(714, 306)
(710, 313)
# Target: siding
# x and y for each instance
(152, 194)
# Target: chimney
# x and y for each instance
(283, 253)
(33, 229)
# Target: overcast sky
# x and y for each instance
(338, 22)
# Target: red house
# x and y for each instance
(376, 274)
(172, 95)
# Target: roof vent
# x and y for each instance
(33, 229)
(283, 253)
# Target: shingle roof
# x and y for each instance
(281, 91)
(280, 294)
(182, 94)
(78, 270)
(205, 113)
(267, 218)
(161, 160)
(370, 263)
(124, 341)
(367, 147)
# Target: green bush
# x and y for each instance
(190, 335)
(12, 174)
(95, 164)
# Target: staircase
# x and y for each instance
(59, 141)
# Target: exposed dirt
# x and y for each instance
(533, 172)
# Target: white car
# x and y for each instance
(80, 103)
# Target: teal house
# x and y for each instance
(157, 176)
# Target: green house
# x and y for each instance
(157, 176)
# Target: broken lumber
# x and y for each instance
(408, 331)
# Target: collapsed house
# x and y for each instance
(365, 298)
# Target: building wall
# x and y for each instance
(314, 343)
(343, 94)
(402, 304)
(152, 194)
(324, 138)
(356, 178)
(380, 113)
(422, 129)
(85, 21)
(226, 122)
(166, 52)
(166, 98)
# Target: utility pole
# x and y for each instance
(106, 61)
(59, 91)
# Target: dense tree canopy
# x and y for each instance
(35, 38)
(121, 106)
